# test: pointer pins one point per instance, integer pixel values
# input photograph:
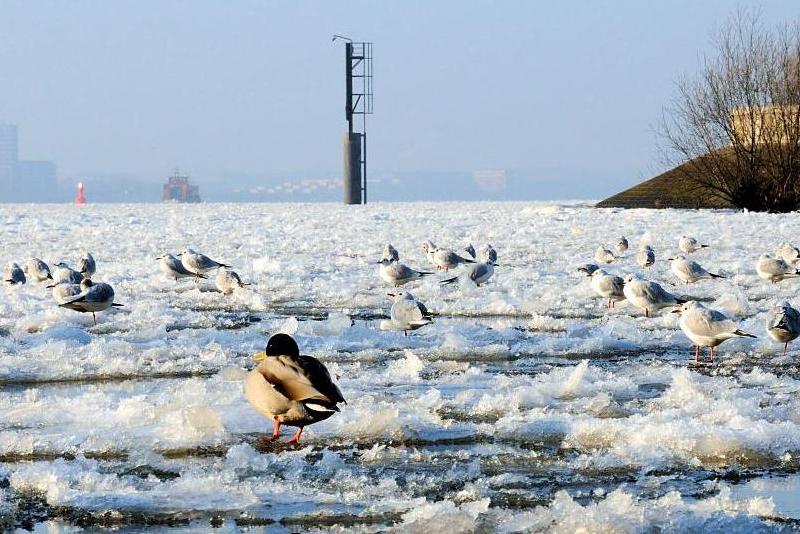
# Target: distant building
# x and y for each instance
(24, 180)
(178, 189)
(35, 181)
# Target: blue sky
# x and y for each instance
(567, 91)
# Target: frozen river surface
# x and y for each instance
(525, 406)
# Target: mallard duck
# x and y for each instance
(289, 388)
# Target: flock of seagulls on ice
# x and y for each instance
(297, 390)
(705, 327)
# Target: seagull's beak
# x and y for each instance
(677, 310)
(260, 357)
(391, 295)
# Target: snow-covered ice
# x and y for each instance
(525, 406)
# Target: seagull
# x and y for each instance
(443, 259)
(65, 273)
(621, 245)
(397, 274)
(646, 257)
(227, 281)
(289, 388)
(488, 254)
(198, 263)
(13, 274)
(689, 244)
(64, 291)
(608, 286)
(775, 269)
(648, 295)
(689, 271)
(429, 248)
(390, 253)
(588, 268)
(94, 297)
(783, 324)
(172, 267)
(408, 313)
(469, 249)
(789, 253)
(603, 255)
(86, 265)
(706, 327)
(477, 272)
(38, 270)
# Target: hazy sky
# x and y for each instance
(551, 89)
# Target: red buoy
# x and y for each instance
(80, 198)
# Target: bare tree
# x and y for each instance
(734, 130)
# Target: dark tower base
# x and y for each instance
(352, 169)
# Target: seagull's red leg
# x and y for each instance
(697, 354)
(296, 437)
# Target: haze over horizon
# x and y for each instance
(563, 97)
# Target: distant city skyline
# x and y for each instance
(563, 97)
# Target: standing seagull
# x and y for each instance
(648, 295)
(689, 271)
(783, 324)
(289, 388)
(621, 245)
(706, 327)
(13, 274)
(775, 269)
(86, 265)
(646, 257)
(172, 267)
(603, 255)
(390, 253)
(477, 272)
(408, 313)
(444, 259)
(689, 244)
(488, 254)
(227, 281)
(38, 270)
(397, 274)
(94, 297)
(608, 286)
(198, 263)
